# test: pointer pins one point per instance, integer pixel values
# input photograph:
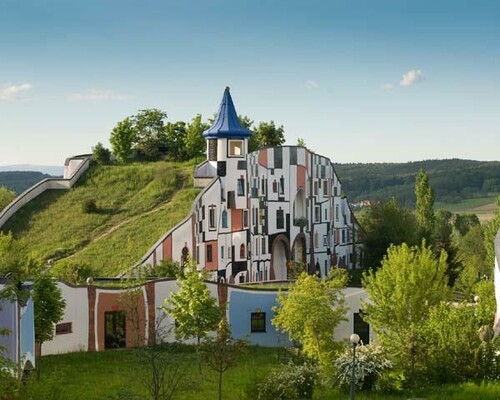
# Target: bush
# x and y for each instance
(89, 206)
(371, 364)
(101, 155)
(288, 382)
(74, 272)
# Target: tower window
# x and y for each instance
(212, 149)
(235, 148)
(224, 219)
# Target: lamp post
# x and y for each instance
(354, 339)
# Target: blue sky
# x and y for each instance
(360, 81)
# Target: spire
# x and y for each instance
(227, 124)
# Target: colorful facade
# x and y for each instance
(260, 212)
(100, 318)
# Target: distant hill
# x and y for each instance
(453, 180)
(19, 181)
(52, 170)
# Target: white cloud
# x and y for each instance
(311, 84)
(388, 86)
(99, 95)
(411, 77)
(12, 91)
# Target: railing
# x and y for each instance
(75, 167)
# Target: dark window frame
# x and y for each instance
(63, 328)
(258, 322)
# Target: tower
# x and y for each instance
(227, 140)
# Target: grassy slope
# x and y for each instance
(55, 226)
(88, 376)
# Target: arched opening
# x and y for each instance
(299, 248)
(242, 252)
(224, 219)
(279, 258)
(299, 209)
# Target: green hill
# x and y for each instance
(136, 205)
(453, 180)
(19, 181)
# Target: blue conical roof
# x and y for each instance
(227, 124)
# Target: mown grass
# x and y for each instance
(55, 226)
(105, 375)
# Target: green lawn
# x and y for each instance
(137, 204)
(114, 374)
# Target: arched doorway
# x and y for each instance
(184, 255)
(299, 248)
(279, 258)
(299, 209)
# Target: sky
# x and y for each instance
(358, 80)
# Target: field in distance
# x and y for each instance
(483, 207)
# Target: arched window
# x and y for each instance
(242, 251)
(224, 219)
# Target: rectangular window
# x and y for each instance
(280, 219)
(336, 212)
(258, 322)
(325, 240)
(263, 245)
(325, 189)
(209, 253)
(326, 214)
(211, 217)
(278, 157)
(293, 155)
(316, 240)
(335, 190)
(343, 236)
(212, 149)
(256, 247)
(235, 148)
(245, 218)
(64, 327)
(315, 188)
(317, 213)
(222, 252)
(241, 186)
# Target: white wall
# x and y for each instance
(76, 312)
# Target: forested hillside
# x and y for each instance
(452, 180)
(19, 181)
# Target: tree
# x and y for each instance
(410, 281)
(49, 308)
(450, 335)
(301, 142)
(194, 309)
(385, 224)
(472, 255)
(267, 134)
(490, 231)
(149, 127)
(6, 197)
(175, 138)
(222, 352)
(100, 154)
(194, 141)
(122, 139)
(309, 312)
(443, 240)
(424, 204)
(14, 264)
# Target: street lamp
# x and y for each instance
(354, 339)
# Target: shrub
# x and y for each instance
(288, 382)
(101, 155)
(89, 206)
(73, 272)
(371, 364)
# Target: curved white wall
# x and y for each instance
(74, 168)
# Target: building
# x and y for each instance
(260, 212)
(17, 318)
